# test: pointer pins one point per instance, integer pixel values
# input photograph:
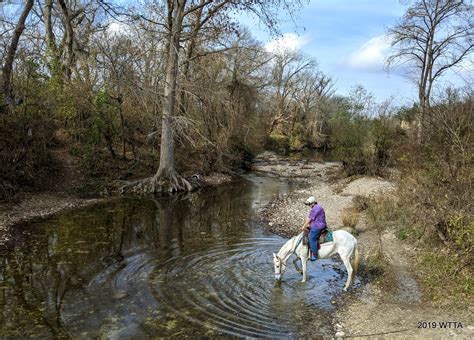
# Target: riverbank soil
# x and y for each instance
(391, 302)
(61, 193)
(67, 189)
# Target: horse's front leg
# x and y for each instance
(304, 261)
(295, 262)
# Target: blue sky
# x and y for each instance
(347, 38)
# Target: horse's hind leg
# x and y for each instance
(295, 262)
(347, 263)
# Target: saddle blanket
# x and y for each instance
(326, 237)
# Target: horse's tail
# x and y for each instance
(355, 260)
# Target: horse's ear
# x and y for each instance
(274, 255)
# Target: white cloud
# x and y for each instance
(287, 42)
(116, 28)
(371, 56)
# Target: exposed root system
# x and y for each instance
(171, 184)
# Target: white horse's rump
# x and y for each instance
(343, 244)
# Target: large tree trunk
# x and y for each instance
(69, 39)
(54, 60)
(10, 57)
(166, 178)
(420, 118)
(167, 158)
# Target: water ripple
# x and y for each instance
(230, 289)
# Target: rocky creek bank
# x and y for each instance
(387, 305)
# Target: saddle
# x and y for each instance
(324, 237)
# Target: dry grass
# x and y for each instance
(447, 277)
(361, 203)
(350, 217)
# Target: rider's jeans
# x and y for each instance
(313, 239)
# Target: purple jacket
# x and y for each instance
(317, 217)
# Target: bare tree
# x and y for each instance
(178, 28)
(432, 37)
(10, 57)
(314, 89)
(289, 66)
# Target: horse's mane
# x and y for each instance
(289, 246)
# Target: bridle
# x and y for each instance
(279, 267)
(280, 264)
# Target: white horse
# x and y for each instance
(343, 243)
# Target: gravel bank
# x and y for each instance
(374, 310)
(286, 215)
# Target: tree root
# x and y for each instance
(171, 184)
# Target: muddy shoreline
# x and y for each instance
(28, 207)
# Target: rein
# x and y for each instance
(294, 250)
(298, 243)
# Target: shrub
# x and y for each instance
(439, 267)
(350, 218)
(24, 150)
(278, 143)
(361, 203)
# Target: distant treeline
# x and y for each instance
(167, 89)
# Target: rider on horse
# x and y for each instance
(316, 223)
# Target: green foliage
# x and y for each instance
(437, 177)
(437, 263)
(98, 123)
(440, 268)
(347, 142)
(278, 143)
(407, 114)
(298, 139)
(26, 135)
(364, 145)
(102, 127)
(402, 234)
(347, 136)
(283, 144)
(434, 206)
(460, 229)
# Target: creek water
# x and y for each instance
(194, 266)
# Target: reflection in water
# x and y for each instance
(195, 265)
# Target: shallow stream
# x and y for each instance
(199, 265)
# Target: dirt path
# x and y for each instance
(386, 306)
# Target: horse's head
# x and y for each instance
(279, 265)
